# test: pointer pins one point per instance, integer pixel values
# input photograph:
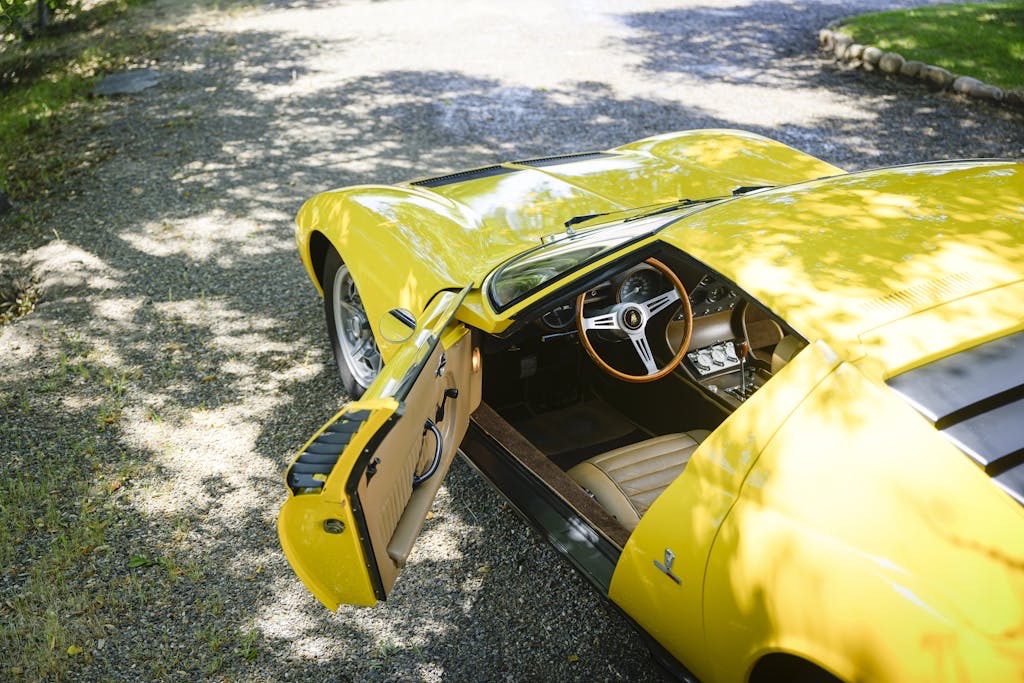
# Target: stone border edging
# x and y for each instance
(869, 58)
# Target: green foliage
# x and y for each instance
(18, 295)
(27, 18)
(983, 40)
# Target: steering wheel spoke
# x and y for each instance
(659, 303)
(605, 321)
(632, 320)
(643, 349)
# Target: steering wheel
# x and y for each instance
(630, 320)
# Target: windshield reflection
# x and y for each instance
(528, 272)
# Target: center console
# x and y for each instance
(719, 370)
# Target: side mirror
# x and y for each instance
(397, 325)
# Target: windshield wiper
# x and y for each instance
(682, 203)
(660, 207)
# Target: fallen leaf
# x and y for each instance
(208, 378)
(74, 650)
(484, 569)
(573, 658)
(114, 485)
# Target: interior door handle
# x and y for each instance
(448, 393)
(419, 479)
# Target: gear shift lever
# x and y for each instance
(744, 349)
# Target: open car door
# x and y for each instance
(362, 486)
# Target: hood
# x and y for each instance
(898, 265)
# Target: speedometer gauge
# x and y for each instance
(641, 285)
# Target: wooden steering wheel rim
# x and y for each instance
(668, 367)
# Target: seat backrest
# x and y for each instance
(785, 350)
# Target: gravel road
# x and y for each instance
(178, 351)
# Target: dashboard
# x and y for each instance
(713, 357)
(710, 295)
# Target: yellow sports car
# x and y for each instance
(772, 410)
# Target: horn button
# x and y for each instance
(632, 318)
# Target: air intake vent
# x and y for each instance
(975, 399)
(926, 294)
(309, 472)
(463, 176)
(562, 159)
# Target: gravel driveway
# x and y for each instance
(178, 358)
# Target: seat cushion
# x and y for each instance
(626, 481)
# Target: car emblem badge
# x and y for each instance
(631, 319)
(666, 568)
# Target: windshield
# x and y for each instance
(528, 272)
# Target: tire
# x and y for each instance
(348, 328)
(786, 668)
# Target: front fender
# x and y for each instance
(401, 246)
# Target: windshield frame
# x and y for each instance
(635, 229)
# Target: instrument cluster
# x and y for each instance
(634, 286)
(711, 295)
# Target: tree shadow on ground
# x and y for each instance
(187, 287)
(762, 48)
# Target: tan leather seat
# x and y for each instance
(785, 350)
(626, 481)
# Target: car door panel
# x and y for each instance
(354, 512)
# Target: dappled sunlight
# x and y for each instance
(836, 480)
(223, 322)
(177, 358)
(64, 268)
(205, 460)
(211, 237)
(121, 310)
(688, 516)
(398, 624)
(840, 260)
(771, 108)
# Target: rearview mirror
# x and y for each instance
(397, 325)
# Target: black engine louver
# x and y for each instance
(975, 399)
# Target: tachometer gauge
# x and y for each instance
(641, 285)
(559, 318)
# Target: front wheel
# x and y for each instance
(355, 349)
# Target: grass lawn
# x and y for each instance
(983, 40)
(45, 81)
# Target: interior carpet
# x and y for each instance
(572, 434)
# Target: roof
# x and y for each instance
(900, 264)
(505, 209)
